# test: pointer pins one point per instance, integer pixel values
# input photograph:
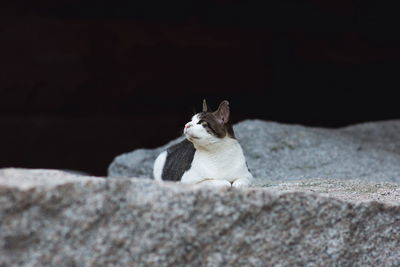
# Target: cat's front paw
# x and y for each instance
(241, 183)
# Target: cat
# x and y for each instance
(209, 155)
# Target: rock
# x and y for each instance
(53, 218)
(275, 151)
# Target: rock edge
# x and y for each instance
(55, 218)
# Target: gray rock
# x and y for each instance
(274, 151)
(52, 218)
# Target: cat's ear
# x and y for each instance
(223, 112)
(205, 107)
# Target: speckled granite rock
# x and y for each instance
(52, 218)
(274, 151)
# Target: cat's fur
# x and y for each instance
(209, 155)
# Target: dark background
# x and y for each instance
(84, 81)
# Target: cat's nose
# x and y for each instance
(188, 125)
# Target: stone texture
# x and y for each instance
(53, 218)
(275, 151)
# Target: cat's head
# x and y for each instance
(207, 127)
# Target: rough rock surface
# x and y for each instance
(274, 151)
(53, 218)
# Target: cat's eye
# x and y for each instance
(203, 122)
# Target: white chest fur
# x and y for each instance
(221, 161)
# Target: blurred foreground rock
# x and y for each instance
(54, 218)
(274, 151)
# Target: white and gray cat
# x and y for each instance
(210, 154)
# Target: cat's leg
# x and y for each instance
(216, 183)
(191, 177)
(241, 182)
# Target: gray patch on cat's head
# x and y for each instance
(217, 123)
